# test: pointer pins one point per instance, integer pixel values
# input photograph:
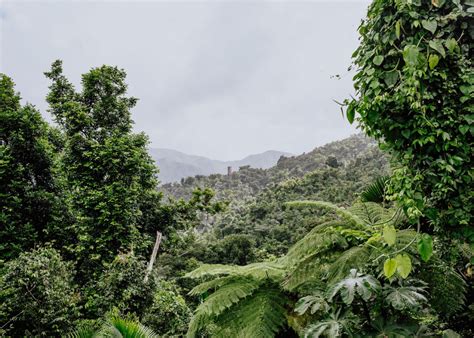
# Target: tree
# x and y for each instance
(37, 295)
(28, 190)
(415, 85)
(109, 175)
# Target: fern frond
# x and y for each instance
(227, 295)
(212, 284)
(272, 269)
(212, 270)
(261, 315)
(311, 270)
(342, 213)
(372, 213)
(447, 288)
(353, 258)
(319, 240)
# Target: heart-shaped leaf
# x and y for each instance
(389, 267)
(437, 46)
(433, 61)
(425, 247)
(429, 25)
(403, 265)
(410, 55)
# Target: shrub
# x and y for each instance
(37, 295)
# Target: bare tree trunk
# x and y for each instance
(153, 255)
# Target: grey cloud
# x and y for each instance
(220, 79)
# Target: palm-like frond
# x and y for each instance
(375, 192)
(117, 327)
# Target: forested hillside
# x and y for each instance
(175, 165)
(247, 181)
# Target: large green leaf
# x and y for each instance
(410, 55)
(403, 265)
(425, 247)
(389, 267)
(433, 61)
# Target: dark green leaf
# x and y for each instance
(425, 247)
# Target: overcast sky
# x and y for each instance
(219, 79)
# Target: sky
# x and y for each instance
(222, 79)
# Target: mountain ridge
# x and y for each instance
(175, 165)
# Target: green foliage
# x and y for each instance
(405, 297)
(37, 295)
(121, 287)
(356, 284)
(414, 82)
(109, 174)
(335, 325)
(116, 327)
(168, 315)
(28, 202)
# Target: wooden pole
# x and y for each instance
(153, 255)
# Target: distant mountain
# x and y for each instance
(175, 165)
(357, 152)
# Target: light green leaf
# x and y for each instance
(451, 44)
(389, 234)
(425, 247)
(429, 25)
(403, 265)
(410, 55)
(378, 60)
(437, 46)
(389, 267)
(433, 61)
(437, 3)
(397, 29)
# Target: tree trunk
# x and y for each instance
(153, 255)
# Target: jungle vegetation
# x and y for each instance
(366, 237)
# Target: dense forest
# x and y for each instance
(371, 236)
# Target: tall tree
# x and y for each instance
(109, 174)
(27, 185)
